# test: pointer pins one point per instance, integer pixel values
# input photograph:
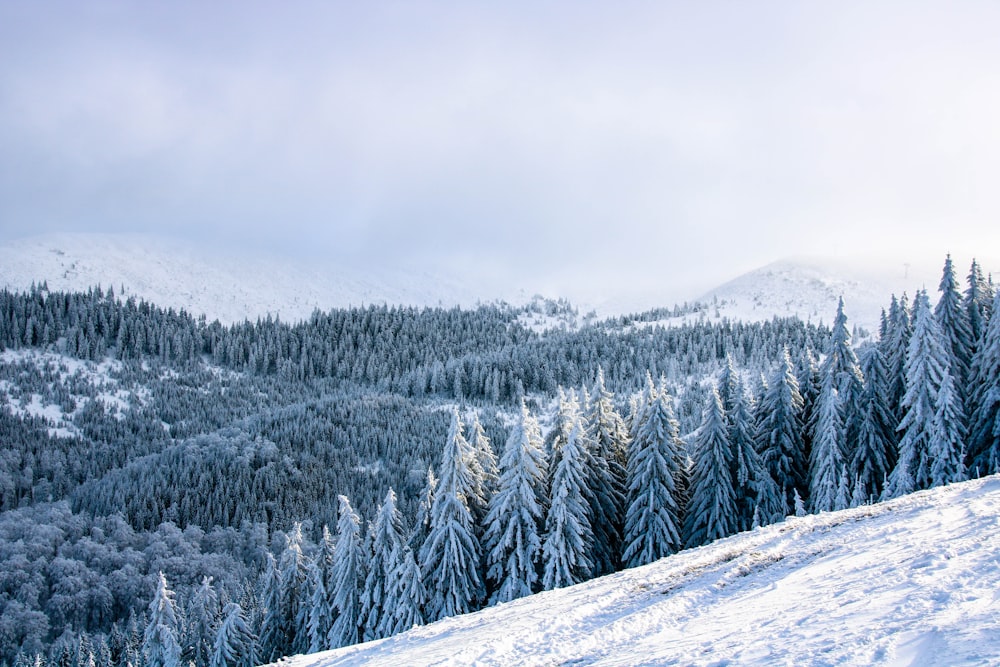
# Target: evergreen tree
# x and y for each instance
(515, 514)
(386, 545)
(842, 365)
(422, 523)
(160, 646)
(656, 482)
(984, 438)
(321, 610)
(978, 303)
(568, 535)
(450, 557)
(752, 485)
(894, 347)
(827, 465)
(346, 578)
(406, 596)
(483, 471)
(779, 433)
(203, 615)
(875, 454)
(712, 510)
(608, 438)
(234, 642)
(931, 421)
(293, 570)
(953, 319)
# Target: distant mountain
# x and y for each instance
(908, 582)
(220, 285)
(810, 288)
(231, 287)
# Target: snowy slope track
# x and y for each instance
(915, 581)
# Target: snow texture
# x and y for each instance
(908, 582)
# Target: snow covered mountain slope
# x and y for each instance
(810, 288)
(915, 581)
(201, 280)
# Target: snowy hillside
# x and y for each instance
(233, 288)
(203, 280)
(809, 289)
(909, 582)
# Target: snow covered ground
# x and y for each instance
(914, 582)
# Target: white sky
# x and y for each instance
(574, 146)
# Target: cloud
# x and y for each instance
(571, 144)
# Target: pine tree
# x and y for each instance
(752, 485)
(608, 438)
(568, 535)
(842, 365)
(711, 512)
(203, 615)
(947, 449)
(234, 643)
(422, 523)
(406, 596)
(321, 610)
(984, 438)
(293, 570)
(346, 578)
(978, 303)
(875, 454)
(483, 471)
(894, 347)
(953, 319)
(386, 545)
(827, 465)
(656, 482)
(515, 514)
(779, 433)
(931, 422)
(450, 556)
(160, 646)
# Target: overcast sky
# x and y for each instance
(567, 144)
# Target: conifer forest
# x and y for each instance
(175, 491)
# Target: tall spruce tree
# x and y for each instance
(386, 545)
(482, 472)
(608, 439)
(450, 556)
(929, 424)
(202, 625)
(515, 514)
(875, 454)
(842, 364)
(321, 608)
(293, 569)
(828, 461)
(160, 645)
(953, 319)
(978, 302)
(234, 643)
(779, 433)
(711, 512)
(346, 577)
(406, 596)
(568, 536)
(984, 439)
(657, 481)
(752, 484)
(894, 347)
